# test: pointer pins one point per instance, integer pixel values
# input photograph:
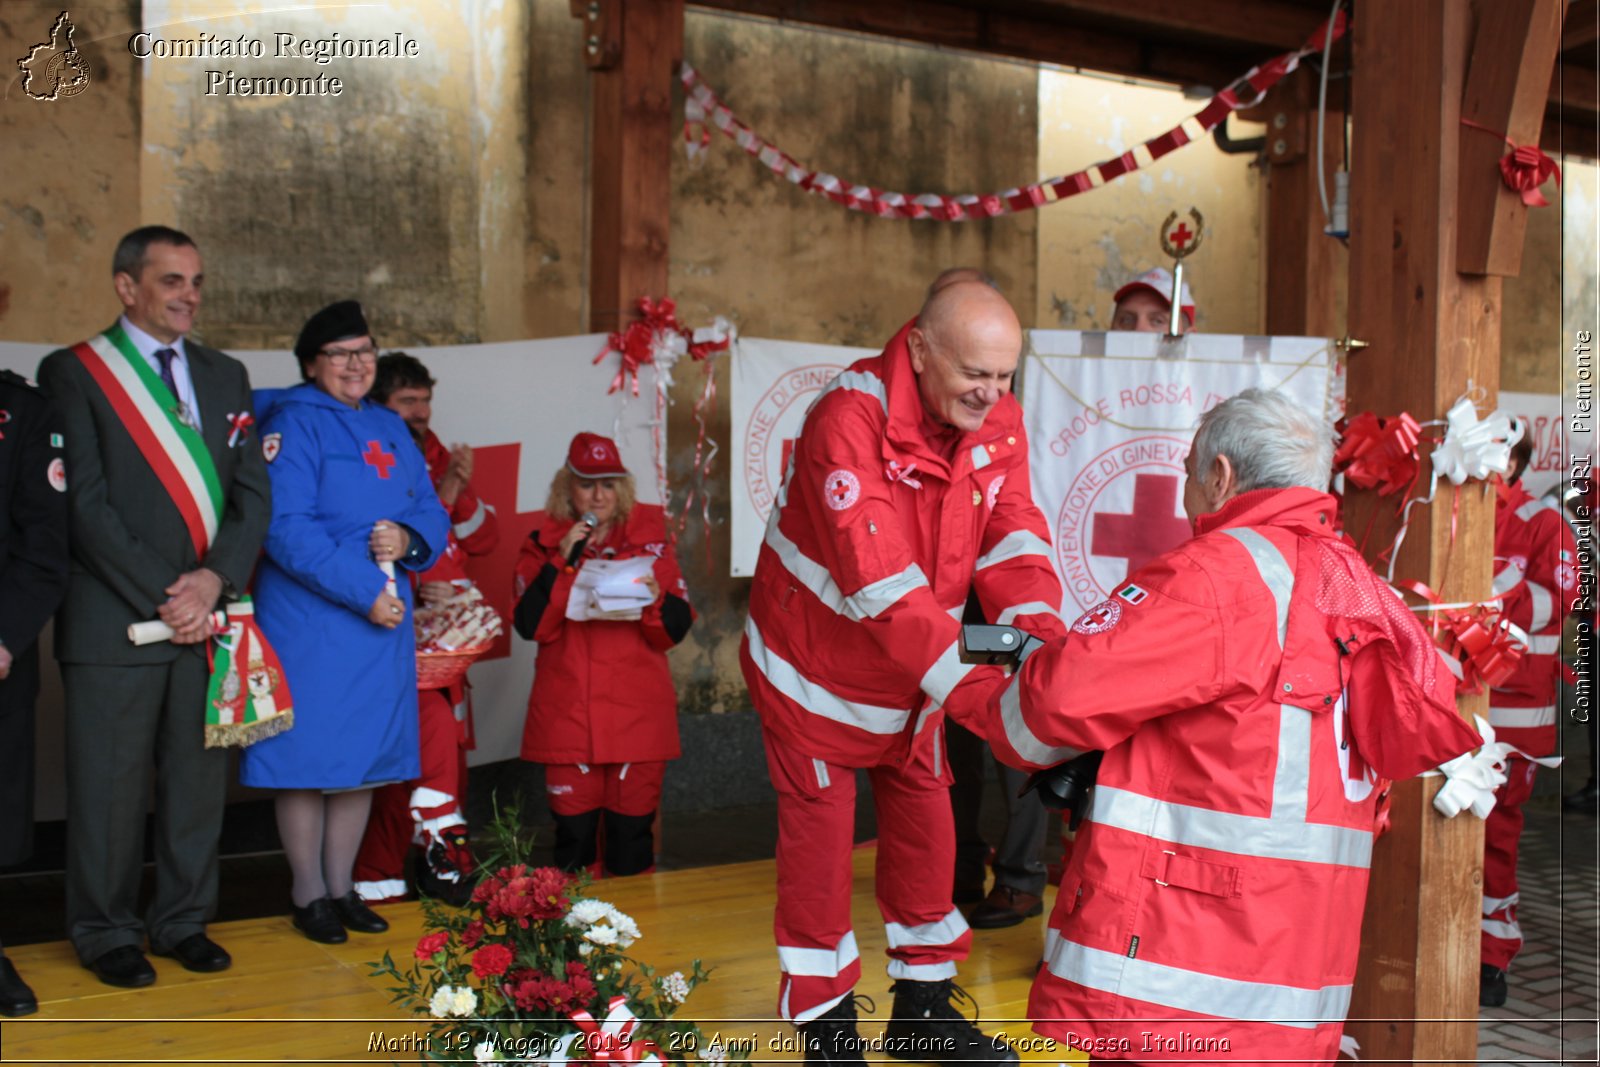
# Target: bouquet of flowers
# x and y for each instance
(533, 970)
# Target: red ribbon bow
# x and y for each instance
(611, 1041)
(636, 344)
(1524, 168)
(1379, 452)
(241, 421)
(1478, 636)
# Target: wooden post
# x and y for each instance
(1432, 331)
(1508, 85)
(633, 48)
(1304, 263)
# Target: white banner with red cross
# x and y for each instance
(1110, 417)
(774, 383)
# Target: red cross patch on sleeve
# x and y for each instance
(841, 489)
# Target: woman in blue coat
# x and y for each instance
(352, 501)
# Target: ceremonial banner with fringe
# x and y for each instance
(1110, 416)
(247, 699)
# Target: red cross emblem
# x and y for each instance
(1181, 235)
(1098, 619)
(841, 489)
(378, 458)
(1152, 529)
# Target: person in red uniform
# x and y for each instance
(1536, 574)
(908, 486)
(1249, 690)
(603, 713)
(430, 812)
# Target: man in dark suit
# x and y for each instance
(169, 503)
(33, 575)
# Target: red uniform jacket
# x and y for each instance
(850, 650)
(1536, 574)
(602, 691)
(1248, 689)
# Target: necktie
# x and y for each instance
(165, 356)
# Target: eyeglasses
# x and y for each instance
(343, 357)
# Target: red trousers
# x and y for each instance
(916, 862)
(624, 788)
(1501, 937)
(414, 812)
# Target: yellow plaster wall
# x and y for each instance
(69, 173)
(1091, 243)
(404, 191)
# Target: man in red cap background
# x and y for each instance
(1144, 304)
(603, 713)
(430, 811)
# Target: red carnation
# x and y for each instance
(472, 934)
(431, 944)
(540, 894)
(491, 961)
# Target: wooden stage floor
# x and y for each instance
(290, 1000)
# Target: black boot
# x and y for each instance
(445, 869)
(926, 1026)
(831, 1039)
(575, 840)
(630, 845)
(1491, 986)
(1584, 799)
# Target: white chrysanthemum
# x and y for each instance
(464, 1003)
(627, 929)
(675, 987)
(584, 948)
(486, 1053)
(713, 1053)
(601, 935)
(444, 999)
(589, 912)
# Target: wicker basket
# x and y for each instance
(437, 669)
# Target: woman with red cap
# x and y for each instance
(603, 714)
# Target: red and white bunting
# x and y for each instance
(702, 105)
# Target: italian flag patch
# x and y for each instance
(1132, 593)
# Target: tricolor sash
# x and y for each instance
(173, 448)
(247, 699)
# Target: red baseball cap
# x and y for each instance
(593, 456)
(1158, 280)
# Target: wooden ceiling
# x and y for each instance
(1186, 42)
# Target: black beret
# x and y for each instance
(333, 323)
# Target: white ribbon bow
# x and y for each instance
(1474, 776)
(1472, 448)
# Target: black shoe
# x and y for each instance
(926, 1026)
(1585, 799)
(354, 915)
(199, 953)
(445, 868)
(1491, 987)
(831, 1038)
(123, 966)
(318, 921)
(15, 996)
(1005, 906)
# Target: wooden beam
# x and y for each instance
(1567, 136)
(630, 153)
(1507, 87)
(1278, 26)
(1574, 87)
(970, 26)
(1303, 263)
(1431, 331)
(1581, 28)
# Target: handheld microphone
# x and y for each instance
(589, 522)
